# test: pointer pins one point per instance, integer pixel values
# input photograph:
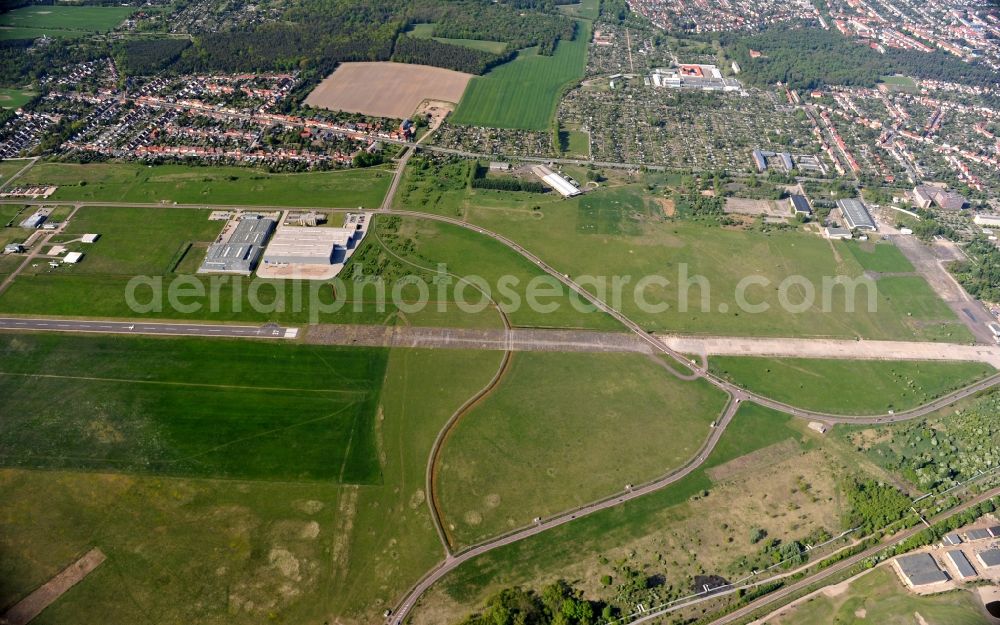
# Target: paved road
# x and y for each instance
(138, 327)
(453, 561)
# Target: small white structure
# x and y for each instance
(72, 258)
(89, 238)
(990, 221)
(562, 186)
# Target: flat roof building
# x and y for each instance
(294, 245)
(978, 534)
(994, 531)
(837, 233)
(800, 205)
(989, 558)
(987, 220)
(961, 564)
(562, 186)
(952, 540)
(856, 214)
(920, 569)
(241, 251)
(35, 220)
(90, 238)
(72, 258)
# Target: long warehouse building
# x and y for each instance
(856, 214)
(295, 245)
(562, 186)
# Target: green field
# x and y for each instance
(902, 83)
(574, 143)
(524, 92)
(632, 531)
(879, 257)
(877, 386)
(587, 9)
(426, 31)
(242, 551)
(189, 407)
(15, 98)
(120, 251)
(131, 182)
(60, 21)
(879, 597)
(620, 231)
(171, 244)
(565, 429)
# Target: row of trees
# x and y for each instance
(558, 604)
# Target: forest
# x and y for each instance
(495, 22)
(430, 52)
(137, 57)
(810, 58)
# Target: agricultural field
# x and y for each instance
(426, 31)
(237, 550)
(623, 231)
(769, 472)
(876, 386)
(565, 429)
(523, 93)
(60, 21)
(190, 408)
(15, 98)
(134, 182)
(386, 89)
(879, 597)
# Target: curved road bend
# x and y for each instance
(736, 394)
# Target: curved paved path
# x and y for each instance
(736, 394)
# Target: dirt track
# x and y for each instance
(31, 606)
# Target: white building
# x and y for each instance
(562, 186)
(299, 245)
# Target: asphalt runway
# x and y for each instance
(268, 331)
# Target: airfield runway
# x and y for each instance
(269, 331)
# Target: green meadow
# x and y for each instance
(182, 184)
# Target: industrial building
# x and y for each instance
(90, 238)
(952, 539)
(13, 248)
(702, 77)
(763, 158)
(926, 194)
(35, 220)
(240, 252)
(989, 558)
(856, 214)
(562, 186)
(832, 232)
(800, 205)
(919, 569)
(294, 245)
(978, 534)
(72, 258)
(961, 563)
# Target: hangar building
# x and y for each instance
(295, 245)
(240, 252)
(856, 214)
